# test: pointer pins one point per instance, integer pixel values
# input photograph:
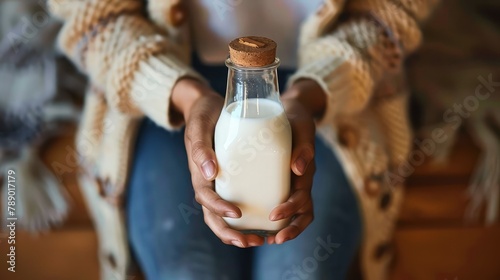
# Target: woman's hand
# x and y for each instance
(200, 107)
(303, 101)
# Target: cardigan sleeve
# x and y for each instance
(370, 38)
(123, 53)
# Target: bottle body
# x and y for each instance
(253, 148)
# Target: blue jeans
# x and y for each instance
(170, 240)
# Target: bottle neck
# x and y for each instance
(245, 83)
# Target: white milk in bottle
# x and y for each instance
(253, 138)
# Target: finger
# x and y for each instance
(294, 228)
(301, 158)
(303, 133)
(301, 194)
(207, 197)
(270, 240)
(199, 135)
(228, 235)
(297, 200)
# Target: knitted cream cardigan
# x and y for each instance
(134, 54)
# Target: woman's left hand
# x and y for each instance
(300, 113)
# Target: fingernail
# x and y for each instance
(277, 217)
(301, 165)
(208, 168)
(285, 240)
(237, 243)
(231, 215)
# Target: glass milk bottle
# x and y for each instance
(253, 137)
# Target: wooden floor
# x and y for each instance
(68, 254)
(431, 241)
(439, 253)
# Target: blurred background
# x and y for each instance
(448, 227)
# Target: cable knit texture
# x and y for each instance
(109, 40)
(135, 54)
(351, 58)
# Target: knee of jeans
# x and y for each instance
(175, 273)
(191, 270)
(154, 231)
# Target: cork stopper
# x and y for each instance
(252, 51)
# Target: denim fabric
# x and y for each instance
(170, 240)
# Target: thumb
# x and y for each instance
(199, 137)
(204, 157)
(303, 137)
(302, 156)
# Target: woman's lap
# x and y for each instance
(325, 249)
(171, 241)
(166, 228)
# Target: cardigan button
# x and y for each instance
(111, 260)
(178, 14)
(101, 187)
(381, 250)
(385, 200)
(348, 136)
(372, 187)
(105, 190)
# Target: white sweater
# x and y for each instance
(215, 23)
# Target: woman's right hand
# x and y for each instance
(200, 107)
